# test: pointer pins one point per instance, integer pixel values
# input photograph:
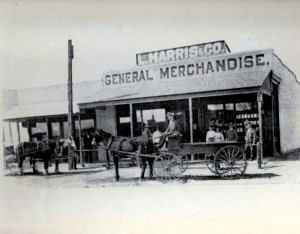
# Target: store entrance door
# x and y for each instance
(276, 138)
(268, 148)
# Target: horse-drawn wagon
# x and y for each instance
(226, 159)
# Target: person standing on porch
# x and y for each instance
(87, 141)
(72, 160)
(218, 135)
(210, 135)
(250, 139)
(231, 134)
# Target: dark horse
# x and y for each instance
(35, 150)
(119, 146)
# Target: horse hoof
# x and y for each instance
(117, 178)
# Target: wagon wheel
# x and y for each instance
(210, 162)
(167, 167)
(184, 162)
(230, 162)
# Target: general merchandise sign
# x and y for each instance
(221, 65)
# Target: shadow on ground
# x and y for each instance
(56, 175)
(216, 177)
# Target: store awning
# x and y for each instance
(171, 87)
(39, 110)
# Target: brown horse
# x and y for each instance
(119, 146)
(35, 150)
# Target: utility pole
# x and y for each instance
(70, 89)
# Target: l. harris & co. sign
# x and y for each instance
(182, 53)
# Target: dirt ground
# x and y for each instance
(275, 171)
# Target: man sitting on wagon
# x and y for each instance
(171, 131)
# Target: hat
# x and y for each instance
(230, 124)
(170, 114)
(146, 126)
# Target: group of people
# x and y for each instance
(215, 135)
(68, 147)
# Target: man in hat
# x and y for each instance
(147, 135)
(250, 139)
(231, 134)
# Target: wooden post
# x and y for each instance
(10, 133)
(18, 129)
(260, 156)
(61, 128)
(131, 120)
(29, 130)
(191, 120)
(80, 141)
(49, 129)
(70, 90)
(191, 124)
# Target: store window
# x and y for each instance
(246, 111)
(154, 114)
(39, 131)
(123, 120)
(55, 130)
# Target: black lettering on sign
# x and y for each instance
(114, 78)
(181, 70)
(128, 77)
(240, 61)
(232, 64)
(189, 72)
(107, 80)
(248, 60)
(259, 61)
(164, 74)
(142, 76)
(209, 67)
(121, 78)
(148, 77)
(199, 67)
(173, 71)
(135, 76)
(220, 65)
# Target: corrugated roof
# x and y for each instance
(39, 109)
(183, 86)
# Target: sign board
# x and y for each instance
(220, 65)
(182, 53)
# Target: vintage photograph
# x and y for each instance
(150, 95)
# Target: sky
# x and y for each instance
(108, 34)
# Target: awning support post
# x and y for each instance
(18, 129)
(10, 133)
(260, 143)
(131, 120)
(61, 128)
(49, 129)
(80, 139)
(29, 130)
(191, 123)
